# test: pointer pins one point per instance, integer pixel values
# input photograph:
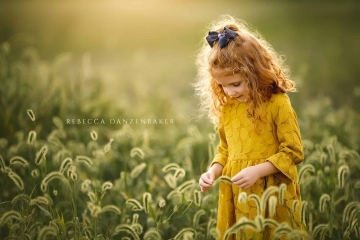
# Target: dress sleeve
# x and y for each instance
(222, 148)
(290, 152)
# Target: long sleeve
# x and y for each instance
(290, 152)
(222, 148)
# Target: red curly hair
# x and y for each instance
(248, 54)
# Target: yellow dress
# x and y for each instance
(241, 146)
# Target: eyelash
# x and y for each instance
(235, 85)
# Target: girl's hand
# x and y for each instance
(246, 177)
(206, 180)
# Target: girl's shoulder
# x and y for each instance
(279, 102)
(279, 99)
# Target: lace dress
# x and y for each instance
(241, 146)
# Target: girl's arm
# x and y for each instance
(216, 170)
(266, 169)
(222, 148)
(207, 179)
(290, 152)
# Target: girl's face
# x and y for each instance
(234, 86)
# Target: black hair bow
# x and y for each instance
(224, 38)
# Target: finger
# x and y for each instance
(203, 189)
(206, 180)
(237, 177)
(243, 186)
(246, 185)
(243, 183)
(240, 182)
(204, 184)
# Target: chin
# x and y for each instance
(241, 99)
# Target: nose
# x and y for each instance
(230, 92)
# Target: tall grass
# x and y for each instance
(86, 181)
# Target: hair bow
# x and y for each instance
(224, 38)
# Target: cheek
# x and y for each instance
(246, 88)
(242, 89)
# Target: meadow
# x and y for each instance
(67, 61)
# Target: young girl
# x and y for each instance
(242, 84)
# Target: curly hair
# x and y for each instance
(248, 54)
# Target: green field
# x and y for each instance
(65, 61)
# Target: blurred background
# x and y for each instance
(144, 51)
(136, 59)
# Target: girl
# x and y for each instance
(242, 84)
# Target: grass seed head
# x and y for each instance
(12, 214)
(162, 202)
(92, 196)
(106, 186)
(31, 137)
(136, 151)
(16, 179)
(324, 199)
(170, 166)
(272, 205)
(111, 208)
(94, 135)
(41, 154)
(137, 170)
(2, 164)
(85, 185)
(197, 198)
(84, 159)
(127, 228)
(146, 201)
(35, 173)
(134, 204)
(31, 114)
(65, 164)
(48, 178)
(343, 172)
(152, 234)
(18, 160)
